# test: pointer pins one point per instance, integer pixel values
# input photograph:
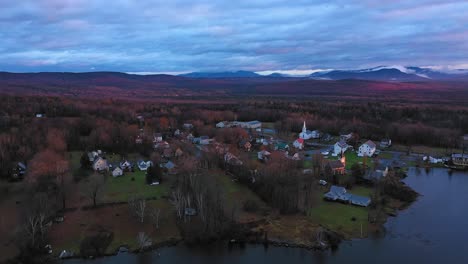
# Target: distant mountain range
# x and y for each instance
(235, 74)
(390, 73)
(381, 73)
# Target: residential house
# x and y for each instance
(340, 194)
(346, 137)
(116, 171)
(385, 143)
(100, 164)
(204, 140)
(252, 124)
(221, 124)
(340, 147)
(190, 137)
(19, 170)
(157, 138)
(367, 149)
(161, 145)
(245, 144)
(299, 143)
(169, 166)
(144, 165)
(378, 173)
(263, 155)
(281, 146)
(338, 167)
(125, 165)
(139, 140)
(231, 159)
(460, 159)
(177, 133)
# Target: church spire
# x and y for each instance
(304, 129)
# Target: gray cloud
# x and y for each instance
(158, 36)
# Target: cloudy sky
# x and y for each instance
(187, 35)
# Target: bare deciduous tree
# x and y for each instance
(138, 207)
(94, 188)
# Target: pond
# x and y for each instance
(432, 230)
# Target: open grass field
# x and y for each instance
(339, 217)
(117, 219)
(120, 189)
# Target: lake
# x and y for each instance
(432, 230)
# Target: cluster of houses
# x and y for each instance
(100, 164)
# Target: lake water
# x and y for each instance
(433, 230)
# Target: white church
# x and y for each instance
(307, 134)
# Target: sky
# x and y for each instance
(176, 36)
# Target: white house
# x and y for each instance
(117, 171)
(157, 137)
(221, 124)
(340, 147)
(263, 155)
(307, 134)
(299, 143)
(367, 149)
(100, 164)
(144, 165)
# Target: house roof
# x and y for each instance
(336, 164)
(300, 140)
(370, 143)
(341, 144)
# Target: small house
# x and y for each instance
(221, 124)
(367, 149)
(100, 164)
(281, 146)
(116, 171)
(385, 143)
(231, 159)
(340, 147)
(125, 165)
(263, 155)
(187, 126)
(144, 165)
(157, 137)
(299, 143)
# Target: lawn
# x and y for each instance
(352, 158)
(120, 189)
(338, 217)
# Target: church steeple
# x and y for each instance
(304, 129)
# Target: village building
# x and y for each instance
(187, 126)
(263, 155)
(299, 143)
(385, 143)
(231, 159)
(19, 171)
(338, 167)
(116, 171)
(125, 165)
(340, 147)
(281, 146)
(157, 138)
(367, 149)
(245, 144)
(144, 165)
(100, 164)
(460, 159)
(340, 194)
(221, 124)
(377, 174)
(307, 134)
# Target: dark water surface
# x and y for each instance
(433, 230)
